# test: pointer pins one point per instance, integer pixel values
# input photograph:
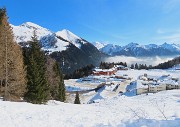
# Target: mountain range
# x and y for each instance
(137, 50)
(71, 51)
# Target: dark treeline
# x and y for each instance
(165, 65)
(140, 66)
(79, 73)
(168, 64)
(107, 65)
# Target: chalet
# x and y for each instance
(177, 68)
(149, 88)
(172, 86)
(120, 67)
(153, 84)
(106, 72)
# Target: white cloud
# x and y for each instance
(133, 60)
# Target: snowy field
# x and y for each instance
(134, 74)
(155, 110)
(161, 109)
(107, 92)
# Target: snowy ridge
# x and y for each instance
(66, 34)
(69, 36)
(24, 32)
(48, 39)
(99, 45)
(135, 49)
(171, 47)
(52, 44)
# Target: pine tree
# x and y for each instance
(60, 83)
(101, 66)
(37, 85)
(77, 100)
(132, 66)
(12, 70)
(125, 64)
(136, 66)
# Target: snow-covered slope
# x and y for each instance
(160, 109)
(66, 34)
(99, 45)
(135, 49)
(50, 41)
(69, 36)
(155, 110)
(24, 32)
(171, 47)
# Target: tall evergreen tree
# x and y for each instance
(136, 66)
(60, 83)
(132, 66)
(77, 100)
(37, 85)
(12, 70)
(125, 64)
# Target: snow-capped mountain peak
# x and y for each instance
(135, 49)
(49, 40)
(99, 45)
(71, 37)
(31, 25)
(68, 35)
(170, 47)
(24, 32)
(132, 44)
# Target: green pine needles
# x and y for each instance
(60, 83)
(37, 85)
(77, 100)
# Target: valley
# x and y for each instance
(104, 107)
(96, 63)
(123, 82)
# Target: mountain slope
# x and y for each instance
(137, 50)
(71, 51)
(99, 45)
(24, 32)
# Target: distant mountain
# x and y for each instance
(99, 45)
(137, 50)
(71, 51)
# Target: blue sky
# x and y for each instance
(114, 21)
